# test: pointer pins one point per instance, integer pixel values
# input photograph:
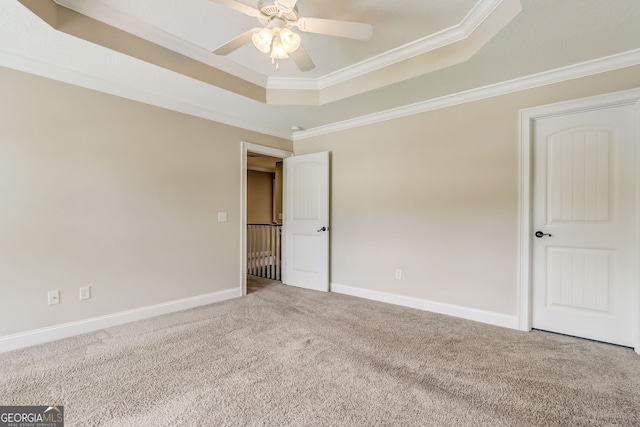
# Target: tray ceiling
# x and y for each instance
(420, 51)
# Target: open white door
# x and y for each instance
(306, 221)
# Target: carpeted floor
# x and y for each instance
(284, 356)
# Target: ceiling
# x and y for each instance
(207, 25)
(420, 51)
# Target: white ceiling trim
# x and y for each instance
(609, 63)
(100, 12)
(302, 83)
(32, 66)
(481, 11)
(490, 15)
(76, 78)
(116, 19)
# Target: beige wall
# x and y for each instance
(100, 191)
(436, 194)
(259, 197)
(105, 192)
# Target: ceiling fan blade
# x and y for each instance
(236, 43)
(350, 30)
(302, 59)
(237, 6)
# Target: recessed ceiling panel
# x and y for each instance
(208, 25)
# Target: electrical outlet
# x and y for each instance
(53, 297)
(398, 274)
(85, 292)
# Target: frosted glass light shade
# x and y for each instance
(262, 40)
(290, 40)
(277, 49)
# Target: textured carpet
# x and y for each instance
(285, 356)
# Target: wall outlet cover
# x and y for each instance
(53, 297)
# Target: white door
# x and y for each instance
(306, 221)
(584, 217)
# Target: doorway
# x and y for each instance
(266, 221)
(264, 217)
(580, 219)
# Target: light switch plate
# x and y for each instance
(222, 217)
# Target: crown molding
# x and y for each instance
(108, 27)
(286, 83)
(601, 65)
(66, 75)
(100, 12)
(610, 63)
(114, 18)
(480, 12)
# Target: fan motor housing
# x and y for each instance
(269, 10)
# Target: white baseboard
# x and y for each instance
(65, 330)
(490, 317)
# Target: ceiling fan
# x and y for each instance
(276, 37)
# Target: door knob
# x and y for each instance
(540, 234)
(323, 229)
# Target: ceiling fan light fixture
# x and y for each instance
(262, 40)
(290, 40)
(277, 38)
(278, 50)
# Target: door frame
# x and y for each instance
(528, 117)
(246, 147)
